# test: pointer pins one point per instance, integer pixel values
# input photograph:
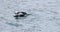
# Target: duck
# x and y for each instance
(20, 14)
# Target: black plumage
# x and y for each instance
(20, 15)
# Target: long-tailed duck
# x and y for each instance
(20, 14)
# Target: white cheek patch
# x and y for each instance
(20, 14)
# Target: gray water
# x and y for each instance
(45, 16)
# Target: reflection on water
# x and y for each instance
(17, 21)
(13, 24)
